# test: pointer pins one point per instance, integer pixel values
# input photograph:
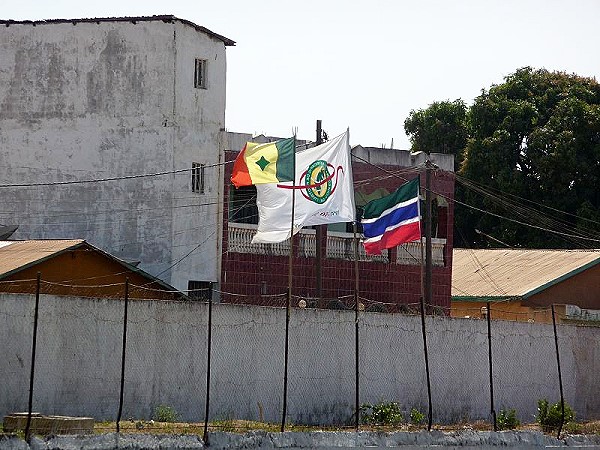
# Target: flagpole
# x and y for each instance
(288, 306)
(426, 290)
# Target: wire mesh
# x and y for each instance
(79, 354)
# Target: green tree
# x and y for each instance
(535, 136)
(440, 128)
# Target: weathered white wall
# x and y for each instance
(403, 158)
(110, 99)
(79, 356)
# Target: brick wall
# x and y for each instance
(257, 279)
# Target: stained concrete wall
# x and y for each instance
(79, 360)
(87, 101)
(465, 439)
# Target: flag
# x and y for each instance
(264, 163)
(323, 193)
(392, 220)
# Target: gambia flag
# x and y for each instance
(392, 220)
(264, 163)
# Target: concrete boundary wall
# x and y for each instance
(79, 360)
(466, 439)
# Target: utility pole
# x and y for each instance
(428, 268)
(319, 235)
(426, 283)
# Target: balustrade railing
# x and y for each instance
(339, 246)
(240, 241)
(410, 253)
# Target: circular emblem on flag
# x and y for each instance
(318, 181)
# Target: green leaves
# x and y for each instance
(381, 413)
(440, 128)
(536, 136)
(507, 420)
(549, 416)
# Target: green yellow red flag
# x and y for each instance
(272, 162)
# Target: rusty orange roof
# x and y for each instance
(508, 273)
(16, 255)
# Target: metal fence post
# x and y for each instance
(489, 329)
(208, 355)
(123, 356)
(425, 353)
(560, 383)
(33, 348)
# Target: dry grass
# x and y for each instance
(234, 426)
(242, 426)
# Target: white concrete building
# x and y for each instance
(93, 99)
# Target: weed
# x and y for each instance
(381, 413)
(416, 416)
(507, 420)
(574, 428)
(227, 425)
(549, 416)
(164, 413)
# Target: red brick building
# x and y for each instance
(258, 273)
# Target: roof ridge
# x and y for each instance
(133, 19)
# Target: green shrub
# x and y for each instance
(416, 416)
(381, 413)
(549, 416)
(573, 428)
(507, 420)
(163, 413)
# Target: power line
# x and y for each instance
(563, 234)
(102, 180)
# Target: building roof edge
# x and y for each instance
(164, 18)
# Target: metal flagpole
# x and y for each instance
(288, 307)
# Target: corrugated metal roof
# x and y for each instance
(164, 18)
(514, 273)
(18, 254)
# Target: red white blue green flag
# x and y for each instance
(392, 220)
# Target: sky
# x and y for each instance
(363, 65)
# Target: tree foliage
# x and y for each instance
(534, 137)
(440, 128)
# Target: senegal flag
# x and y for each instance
(264, 163)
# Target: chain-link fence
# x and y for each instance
(137, 362)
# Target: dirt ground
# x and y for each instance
(242, 426)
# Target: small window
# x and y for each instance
(242, 205)
(200, 74)
(200, 290)
(198, 178)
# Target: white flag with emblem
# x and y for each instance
(323, 192)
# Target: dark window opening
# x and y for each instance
(200, 74)
(358, 217)
(200, 290)
(242, 205)
(198, 178)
